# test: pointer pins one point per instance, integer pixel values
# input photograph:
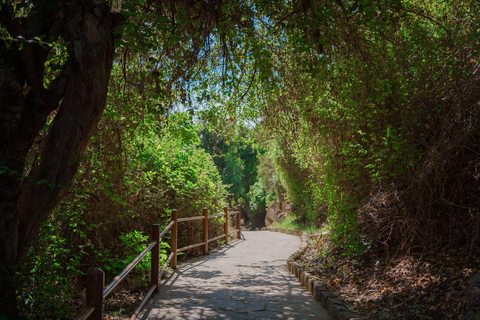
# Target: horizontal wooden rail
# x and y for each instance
(217, 215)
(168, 227)
(191, 219)
(144, 301)
(116, 281)
(96, 290)
(86, 313)
(217, 238)
(191, 246)
(160, 274)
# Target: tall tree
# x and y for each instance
(78, 96)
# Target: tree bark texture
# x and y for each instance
(78, 94)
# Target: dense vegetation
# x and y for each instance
(382, 125)
(137, 168)
(363, 114)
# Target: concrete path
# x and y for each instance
(245, 280)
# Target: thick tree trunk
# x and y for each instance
(11, 157)
(79, 94)
(88, 28)
(18, 128)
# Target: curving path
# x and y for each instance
(245, 280)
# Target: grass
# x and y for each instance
(291, 222)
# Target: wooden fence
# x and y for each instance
(97, 292)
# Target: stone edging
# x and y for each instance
(335, 307)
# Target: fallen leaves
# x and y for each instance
(409, 287)
(124, 300)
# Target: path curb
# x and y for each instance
(335, 307)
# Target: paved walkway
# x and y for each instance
(245, 280)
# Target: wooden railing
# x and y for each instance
(96, 290)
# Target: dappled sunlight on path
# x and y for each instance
(245, 280)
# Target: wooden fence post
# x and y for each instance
(225, 226)
(205, 231)
(239, 222)
(173, 263)
(155, 260)
(95, 286)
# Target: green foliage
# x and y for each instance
(258, 197)
(176, 166)
(345, 231)
(134, 243)
(368, 111)
(233, 169)
(235, 159)
(141, 163)
(292, 222)
(360, 96)
(295, 179)
(47, 278)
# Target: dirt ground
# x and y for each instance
(402, 287)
